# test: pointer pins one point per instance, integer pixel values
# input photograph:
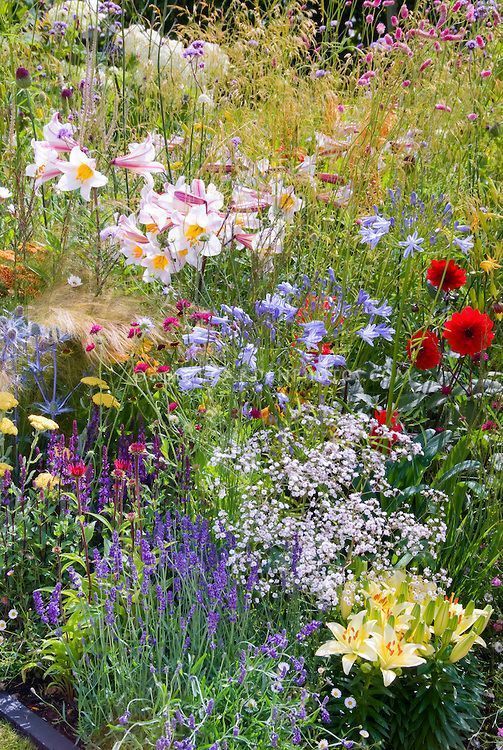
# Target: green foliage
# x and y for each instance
(437, 708)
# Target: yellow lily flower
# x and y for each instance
(392, 653)
(350, 642)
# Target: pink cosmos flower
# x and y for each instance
(141, 158)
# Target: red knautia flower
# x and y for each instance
(182, 305)
(489, 426)
(76, 469)
(136, 449)
(169, 323)
(172, 406)
(163, 368)
(95, 328)
(423, 350)
(141, 367)
(469, 331)
(90, 347)
(446, 275)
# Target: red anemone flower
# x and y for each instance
(446, 275)
(469, 331)
(423, 350)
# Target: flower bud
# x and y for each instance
(429, 612)
(462, 647)
(441, 618)
(23, 78)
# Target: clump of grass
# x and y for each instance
(10, 740)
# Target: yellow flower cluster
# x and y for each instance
(403, 624)
(101, 399)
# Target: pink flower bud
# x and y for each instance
(406, 83)
(425, 64)
(480, 41)
(394, 21)
(485, 73)
(404, 12)
(472, 116)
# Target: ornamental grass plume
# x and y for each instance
(77, 313)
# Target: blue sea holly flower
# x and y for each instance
(412, 245)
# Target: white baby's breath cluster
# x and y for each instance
(308, 509)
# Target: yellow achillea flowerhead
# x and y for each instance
(45, 481)
(4, 467)
(92, 381)
(41, 424)
(106, 399)
(7, 426)
(7, 401)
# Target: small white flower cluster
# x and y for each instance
(309, 509)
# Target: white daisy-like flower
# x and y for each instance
(5, 193)
(13, 614)
(3, 625)
(74, 281)
(350, 702)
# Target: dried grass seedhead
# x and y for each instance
(74, 312)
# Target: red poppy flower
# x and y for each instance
(469, 331)
(423, 350)
(446, 275)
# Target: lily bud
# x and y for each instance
(469, 608)
(441, 618)
(429, 612)
(462, 647)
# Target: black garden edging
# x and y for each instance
(24, 721)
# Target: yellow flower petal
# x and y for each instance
(7, 401)
(45, 481)
(106, 399)
(489, 265)
(92, 381)
(7, 427)
(4, 467)
(40, 424)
